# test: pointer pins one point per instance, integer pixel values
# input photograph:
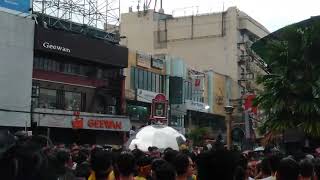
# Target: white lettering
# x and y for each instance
(55, 47)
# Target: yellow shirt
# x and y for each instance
(110, 176)
(139, 178)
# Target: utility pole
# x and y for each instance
(229, 110)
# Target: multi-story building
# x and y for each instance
(145, 78)
(61, 83)
(78, 85)
(216, 44)
(16, 58)
(208, 41)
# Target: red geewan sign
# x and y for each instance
(107, 124)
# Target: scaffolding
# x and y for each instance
(100, 18)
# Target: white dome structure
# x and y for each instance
(160, 136)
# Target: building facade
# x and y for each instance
(145, 78)
(16, 59)
(216, 44)
(78, 87)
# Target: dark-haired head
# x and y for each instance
(219, 164)
(169, 155)
(274, 162)
(183, 165)
(288, 169)
(101, 162)
(306, 168)
(25, 160)
(164, 171)
(317, 167)
(265, 167)
(126, 164)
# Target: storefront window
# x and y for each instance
(145, 80)
(138, 113)
(72, 101)
(149, 81)
(142, 79)
(157, 83)
(153, 82)
(48, 98)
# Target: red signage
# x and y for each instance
(248, 104)
(77, 123)
(104, 124)
(159, 109)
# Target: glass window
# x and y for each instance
(136, 78)
(160, 84)
(45, 64)
(153, 82)
(149, 81)
(145, 80)
(157, 83)
(132, 78)
(36, 62)
(140, 78)
(72, 101)
(48, 98)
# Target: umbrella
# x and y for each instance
(159, 136)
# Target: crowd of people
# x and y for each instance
(35, 158)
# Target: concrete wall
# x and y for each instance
(16, 61)
(138, 30)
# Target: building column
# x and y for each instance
(210, 91)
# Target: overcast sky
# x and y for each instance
(273, 14)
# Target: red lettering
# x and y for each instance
(97, 124)
(118, 125)
(91, 123)
(107, 124)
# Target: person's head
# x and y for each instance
(126, 164)
(220, 164)
(265, 167)
(240, 173)
(274, 162)
(25, 160)
(288, 169)
(82, 156)
(169, 155)
(164, 171)
(317, 167)
(101, 162)
(144, 166)
(137, 153)
(306, 168)
(183, 165)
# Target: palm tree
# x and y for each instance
(291, 95)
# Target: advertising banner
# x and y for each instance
(143, 60)
(145, 96)
(16, 6)
(68, 119)
(67, 44)
(196, 106)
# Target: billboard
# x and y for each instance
(93, 50)
(21, 7)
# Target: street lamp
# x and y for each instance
(229, 110)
